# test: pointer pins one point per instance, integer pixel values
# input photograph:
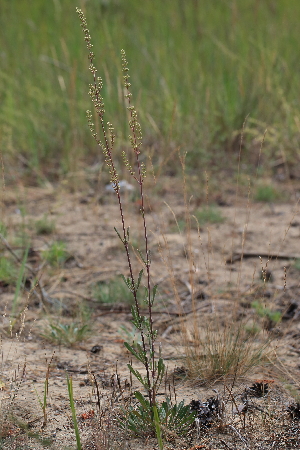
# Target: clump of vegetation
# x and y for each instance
(114, 291)
(175, 418)
(266, 193)
(204, 216)
(271, 317)
(44, 226)
(56, 255)
(227, 353)
(3, 229)
(8, 271)
(226, 39)
(67, 334)
(209, 214)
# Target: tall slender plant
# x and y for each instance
(145, 352)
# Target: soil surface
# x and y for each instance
(208, 274)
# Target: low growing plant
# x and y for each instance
(67, 334)
(224, 354)
(209, 214)
(174, 418)
(44, 226)
(3, 229)
(8, 271)
(266, 193)
(20, 281)
(56, 255)
(114, 291)
(206, 215)
(272, 317)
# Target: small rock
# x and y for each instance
(96, 349)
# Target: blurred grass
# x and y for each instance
(198, 68)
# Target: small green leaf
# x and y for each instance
(128, 283)
(121, 239)
(154, 293)
(128, 234)
(145, 403)
(161, 366)
(137, 374)
(157, 425)
(139, 279)
(132, 351)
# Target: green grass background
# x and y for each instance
(198, 68)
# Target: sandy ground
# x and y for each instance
(204, 265)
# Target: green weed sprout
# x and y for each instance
(209, 214)
(56, 255)
(44, 226)
(176, 418)
(266, 193)
(3, 229)
(145, 353)
(19, 281)
(72, 406)
(8, 272)
(67, 334)
(43, 404)
(113, 291)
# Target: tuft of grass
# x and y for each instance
(228, 353)
(3, 229)
(266, 193)
(209, 214)
(67, 334)
(56, 255)
(44, 226)
(114, 291)
(19, 282)
(8, 271)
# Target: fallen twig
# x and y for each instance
(237, 256)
